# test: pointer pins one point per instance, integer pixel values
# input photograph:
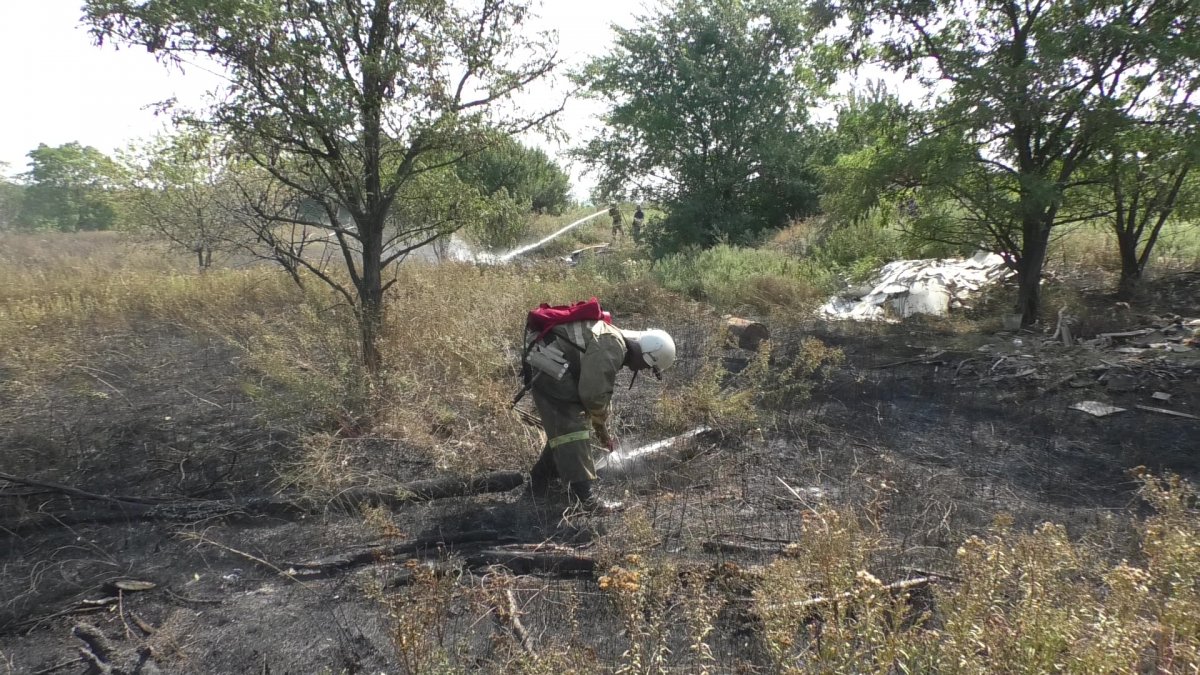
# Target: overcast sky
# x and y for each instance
(59, 87)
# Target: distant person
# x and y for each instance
(618, 221)
(639, 219)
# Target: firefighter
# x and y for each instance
(575, 408)
(618, 221)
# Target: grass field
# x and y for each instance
(774, 545)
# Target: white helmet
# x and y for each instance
(656, 348)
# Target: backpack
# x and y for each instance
(544, 318)
(548, 359)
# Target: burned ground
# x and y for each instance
(932, 430)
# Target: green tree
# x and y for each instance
(348, 105)
(69, 189)
(707, 110)
(1146, 177)
(1025, 94)
(181, 187)
(863, 154)
(12, 194)
(527, 174)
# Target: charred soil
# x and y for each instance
(931, 430)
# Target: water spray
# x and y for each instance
(620, 458)
(505, 257)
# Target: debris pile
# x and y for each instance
(1140, 368)
(1173, 335)
(907, 287)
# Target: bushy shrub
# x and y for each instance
(731, 277)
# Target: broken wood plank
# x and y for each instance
(508, 618)
(532, 562)
(1164, 411)
(1128, 333)
(892, 588)
(1097, 408)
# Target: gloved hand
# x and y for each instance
(602, 434)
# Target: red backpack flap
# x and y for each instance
(546, 317)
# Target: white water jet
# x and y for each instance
(505, 257)
(619, 457)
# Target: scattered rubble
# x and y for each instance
(1147, 363)
(907, 287)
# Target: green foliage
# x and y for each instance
(182, 188)
(1144, 178)
(526, 173)
(731, 277)
(12, 195)
(347, 105)
(69, 189)
(711, 399)
(1028, 93)
(706, 117)
(505, 224)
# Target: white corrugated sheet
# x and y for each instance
(907, 287)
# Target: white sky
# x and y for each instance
(58, 87)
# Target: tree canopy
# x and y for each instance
(707, 110)
(527, 174)
(1025, 94)
(68, 189)
(350, 105)
(183, 188)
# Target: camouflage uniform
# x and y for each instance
(618, 220)
(568, 407)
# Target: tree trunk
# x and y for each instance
(1035, 241)
(1131, 266)
(746, 334)
(370, 295)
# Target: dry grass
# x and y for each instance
(450, 343)
(1021, 602)
(1029, 601)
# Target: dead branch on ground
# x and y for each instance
(142, 508)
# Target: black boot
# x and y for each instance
(539, 478)
(581, 495)
(581, 492)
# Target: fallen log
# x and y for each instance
(926, 359)
(76, 492)
(748, 335)
(434, 488)
(523, 561)
(127, 509)
(367, 555)
(726, 546)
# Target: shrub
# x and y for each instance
(732, 278)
